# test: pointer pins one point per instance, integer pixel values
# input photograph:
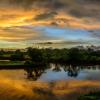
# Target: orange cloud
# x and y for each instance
(17, 33)
(61, 13)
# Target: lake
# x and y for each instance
(53, 72)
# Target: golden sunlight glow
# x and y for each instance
(61, 13)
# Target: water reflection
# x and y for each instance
(70, 70)
(34, 73)
(73, 71)
(52, 72)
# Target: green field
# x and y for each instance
(7, 62)
(91, 96)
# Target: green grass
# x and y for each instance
(90, 96)
(3, 63)
(5, 55)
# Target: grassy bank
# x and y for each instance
(91, 96)
(5, 63)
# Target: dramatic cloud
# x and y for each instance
(19, 17)
(46, 16)
(37, 12)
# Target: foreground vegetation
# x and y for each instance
(91, 96)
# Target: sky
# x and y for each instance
(24, 22)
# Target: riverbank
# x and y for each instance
(61, 90)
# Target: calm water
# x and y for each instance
(53, 72)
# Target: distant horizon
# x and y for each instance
(59, 46)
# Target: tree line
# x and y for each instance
(70, 56)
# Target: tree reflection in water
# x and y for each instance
(34, 73)
(73, 71)
(56, 67)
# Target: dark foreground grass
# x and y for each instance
(91, 96)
